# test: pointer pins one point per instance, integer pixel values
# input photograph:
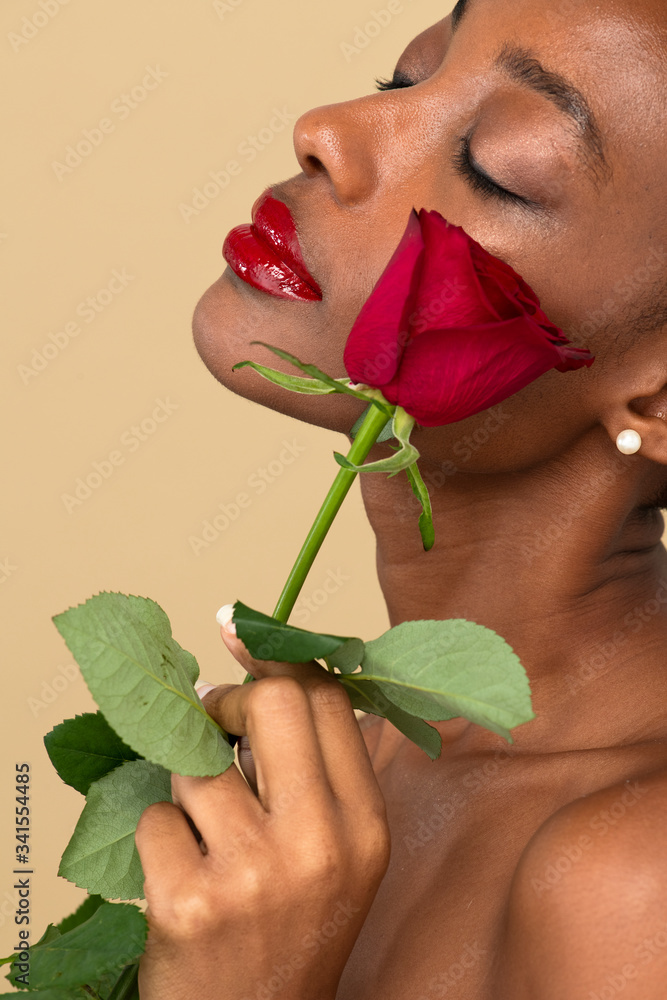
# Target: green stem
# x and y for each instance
(127, 984)
(368, 434)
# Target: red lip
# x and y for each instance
(267, 254)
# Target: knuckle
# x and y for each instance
(275, 694)
(249, 884)
(190, 915)
(318, 863)
(214, 698)
(329, 696)
(377, 848)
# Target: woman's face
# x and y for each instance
(537, 126)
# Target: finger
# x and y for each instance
(167, 847)
(247, 763)
(264, 668)
(220, 806)
(275, 714)
(343, 748)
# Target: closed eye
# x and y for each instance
(398, 81)
(480, 181)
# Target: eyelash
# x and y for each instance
(462, 159)
(397, 82)
(480, 182)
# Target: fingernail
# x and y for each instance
(202, 688)
(224, 618)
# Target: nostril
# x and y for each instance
(312, 164)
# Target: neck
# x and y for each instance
(560, 560)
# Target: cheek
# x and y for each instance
(531, 427)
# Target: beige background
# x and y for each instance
(219, 71)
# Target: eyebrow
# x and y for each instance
(524, 68)
(458, 13)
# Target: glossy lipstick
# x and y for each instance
(267, 254)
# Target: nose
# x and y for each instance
(342, 141)
(380, 142)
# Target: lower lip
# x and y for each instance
(258, 265)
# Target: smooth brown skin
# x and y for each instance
(533, 872)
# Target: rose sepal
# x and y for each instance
(342, 385)
(420, 490)
(406, 455)
(295, 383)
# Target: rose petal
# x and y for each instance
(381, 331)
(448, 375)
(450, 293)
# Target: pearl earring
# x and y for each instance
(628, 442)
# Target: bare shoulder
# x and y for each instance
(588, 907)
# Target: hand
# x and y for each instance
(261, 892)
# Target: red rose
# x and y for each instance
(449, 330)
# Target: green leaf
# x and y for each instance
(268, 639)
(114, 936)
(439, 670)
(84, 912)
(426, 518)
(84, 749)
(406, 454)
(101, 856)
(126, 985)
(307, 386)
(347, 657)
(106, 942)
(50, 934)
(385, 435)
(73, 994)
(142, 680)
(336, 385)
(366, 696)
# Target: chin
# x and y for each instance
(229, 316)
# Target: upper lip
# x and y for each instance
(273, 223)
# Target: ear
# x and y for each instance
(647, 415)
